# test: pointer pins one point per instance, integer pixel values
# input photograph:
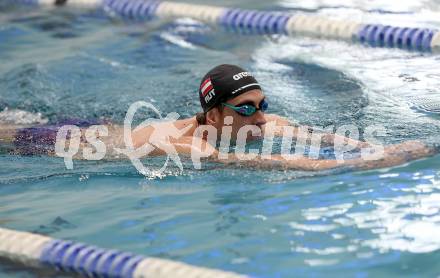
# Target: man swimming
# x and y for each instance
(233, 101)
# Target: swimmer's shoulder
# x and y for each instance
(183, 123)
(188, 124)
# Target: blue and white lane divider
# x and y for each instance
(266, 22)
(90, 261)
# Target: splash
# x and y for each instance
(20, 117)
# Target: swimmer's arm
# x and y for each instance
(277, 162)
(393, 155)
(327, 139)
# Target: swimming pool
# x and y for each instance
(71, 64)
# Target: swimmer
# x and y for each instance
(230, 97)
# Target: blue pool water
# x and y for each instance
(70, 64)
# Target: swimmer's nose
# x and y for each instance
(260, 120)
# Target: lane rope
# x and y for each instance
(266, 22)
(91, 261)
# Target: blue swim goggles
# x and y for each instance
(248, 109)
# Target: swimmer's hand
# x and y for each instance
(395, 155)
(412, 149)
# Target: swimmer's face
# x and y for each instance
(253, 97)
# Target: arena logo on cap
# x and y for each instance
(241, 75)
